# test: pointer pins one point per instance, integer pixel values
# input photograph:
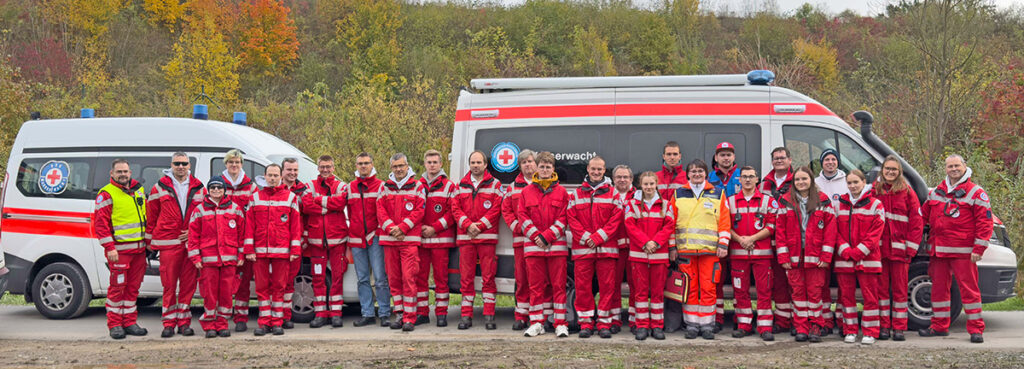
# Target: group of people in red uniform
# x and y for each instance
(784, 236)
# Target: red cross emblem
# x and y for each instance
(54, 176)
(506, 156)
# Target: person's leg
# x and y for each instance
(294, 267)
(815, 277)
(522, 293)
(967, 278)
(116, 292)
(723, 272)
(227, 280)
(422, 282)
(869, 291)
(280, 276)
(488, 269)
(848, 298)
(380, 278)
(410, 256)
(467, 278)
(136, 271)
(188, 281)
(583, 274)
(691, 314)
(762, 272)
(642, 272)
(623, 269)
(609, 291)
(882, 289)
(209, 283)
(361, 261)
(827, 317)
(263, 291)
(243, 293)
(798, 283)
(939, 269)
(393, 265)
(782, 297)
(709, 270)
(558, 274)
(898, 286)
(318, 275)
(338, 260)
(170, 270)
(537, 268)
(741, 294)
(657, 274)
(439, 261)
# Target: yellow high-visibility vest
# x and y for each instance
(697, 220)
(128, 214)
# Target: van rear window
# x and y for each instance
(75, 187)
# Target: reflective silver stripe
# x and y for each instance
(900, 315)
(106, 240)
(871, 263)
(173, 242)
(981, 242)
(128, 246)
(953, 250)
(897, 217)
(827, 249)
(272, 250)
(844, 264)
(642, 255)
(434, 240)
(486, 222)
(408, 222)
(481, 236)
(127, 226)
(387, 223)
(976, 305)
(898, 246)
(870, 323)
(940, 304)
(444, 223)
(783, 250)
(603, 234)
(257, 202)
(940, 314)
(129, 236)
(863, 249)
(754, 252)
(407, 239)
(975, 316)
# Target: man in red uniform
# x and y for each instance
(672, 175)
(775, 184)
(509, 205)
(273, 236)
(124, 246)
(400, 213)
(290, 180)
(168, 210)
(960, 216)
(476, 208)
(326, 232)
(594, 218)
(753, 217)
(438, 239)
(239, 188)
(215, 238)
(622, 177)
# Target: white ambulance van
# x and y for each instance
(627, 120)
(56, 168)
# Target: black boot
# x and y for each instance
(586, 333)
(977, 338)
(396, 322)
(604, 333)
(364, 321)
(691, 333)
(465, 322)
(408, 327)
(168, 332)
(422, 319)
(708, 334)
(883, 334)
(442, 320)
(489, 323)
(241, 327)
(767, 336)
(641, 334)
(801, 337)
(739, 333)
(928, 332)
(616, 329)
(318, 322)
(117, 333)
(519, 325)
(186, 331)
(384, 322)
(135, 330)
(718, 328)
(224, 333)
(897, 335)
(287, 324)
(211, 333)
(260, 330)
(336, 322)
(815, 335)
(278, 330)
(658, 333)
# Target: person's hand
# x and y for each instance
(400, 237)
(473, 230)
(112, 256)
(673, 254)
(292, 257)
(183, 236)
(975, 257)
(650, 247)
(590, 243)
(539, 242)
(787, 266)
(199, 265)
(822, 264)
(394, 231)
(747, 242)
(250, 257)
(241, 261)
(722, 252)
(429, 231)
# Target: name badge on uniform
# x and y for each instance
(408, 206)
(318, 269)
(284, 217)
(438, 208)
(487, 204)
(231, 223)
(708, 205)
(758, 225)
(821, 224)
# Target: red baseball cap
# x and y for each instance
(725, 146)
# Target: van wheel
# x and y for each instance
(919, 296)
(61, 291)
(302, 299)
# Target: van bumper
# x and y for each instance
(3, 280)
(996, 283)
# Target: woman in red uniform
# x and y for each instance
(900, 239)
(860, 222)
(650, 224)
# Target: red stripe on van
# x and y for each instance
(575, 111)
(48, 227)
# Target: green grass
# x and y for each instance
(1011, 304)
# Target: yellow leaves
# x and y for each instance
(267, 39)
(202, 60)
(820, 58)
(165, 12)
(369, 30)
(590, 55)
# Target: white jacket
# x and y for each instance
(834, 187)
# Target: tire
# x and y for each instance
(302, 299)
(61, 291)
(919, 296)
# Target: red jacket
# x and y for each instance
(650, 223)
(509, 207)
(164, 220)
(242, 193)
(960, 219)
(216, 233)
(438, 213)
(272, 225)
(482, 205)
(363, 193)
(903, 223)
(401, 207)
(300, 190)
(623, 200)
(769, 188)
(324, 207)
(542, 213)
(750, 217)
(859, 231)
(102, 225)
(671, 179)
(594, 215)
(819, 237)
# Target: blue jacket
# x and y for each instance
(731, 185)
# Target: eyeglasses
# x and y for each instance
(326, 167)
(181, 163)
(780, 158)
(891, 169)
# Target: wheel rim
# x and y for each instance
(56, 291)
(920, 293)
(302, 299)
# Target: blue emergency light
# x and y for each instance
(239, 118)
(88, 113)
(199, 111)
(760, 77)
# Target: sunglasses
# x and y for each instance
(216, 187)
(181, 163)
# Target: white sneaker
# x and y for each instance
(851, 338)
(535, 330)
(867, 340)
(562, 331)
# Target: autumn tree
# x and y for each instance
(168, 13)
(267, 41)
(589, 54)
(369, 31)
(202, 60)
(820, 58)
(83, 27)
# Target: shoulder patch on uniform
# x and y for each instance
(984, 196)
(99, 199)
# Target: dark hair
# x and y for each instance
(324, 158)
(783, 149)
(812, 192)
(697, 163)
(118, 161)
(364, 154)
(668, 145)
(273, 165)
(290, 161)
(746, 168)
(482, 154)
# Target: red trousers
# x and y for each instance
(649, 294)
(325, 305)
(469, 256)
(271, 277)
(782, 297)
(892, 294)
(624, 269)
(547, 276)
(741, 271)
(869, 321)
(610, 292)
(178, 277)
(522, 294)
(704, 272)
(125, 278)
(806, 286)
(828, 319)
(403, 266)
(246, 272)
(942, 271)
(438, 259)
(294, 267)
(216, 286)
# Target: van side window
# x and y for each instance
(806, 144)
(853, 156)
(251, 168)
(78, 186)
(145, 169)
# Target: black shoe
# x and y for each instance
(364, 321)
(707, 334)
(278, 330)
(117, 333)
(384, 323)
(549, 327)
(465, 322)
(792, 331)
(135, 330)
(318, 322)
(260, 331)
(632, 330)
(641, 334)
(442, 320)
(883, 334)
(186, 331)
(519, 325)
(740, 333)
(241, 327)
(977, 338)
(408, 327)
(168, 332)
(929, 332)
(489, 323)
(897, 335)
(224, 333)
(801, 337)
(287, 324)
(615, 329)
(605, 333)
(336, 322)
(691, 333)
(815, 335)
(422, 319)
(718, 328)
(825, 331)
(658, 333)
(396, 322)
(767, 336)
(777, 329)
(211, 334)
(586, 333)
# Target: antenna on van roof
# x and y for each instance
(203, 96)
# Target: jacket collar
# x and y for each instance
(966, 178)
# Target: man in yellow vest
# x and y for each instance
(119, 223)
(702, 237)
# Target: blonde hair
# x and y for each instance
(232, 154)
(901, 181)
(647, 174)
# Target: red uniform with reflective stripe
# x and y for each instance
(509, 206)
(594, 215)
(900, 240)
(749, 217)
(438, 212)
(768, 186)
(644, 224)
(543, 213)
(401, 207)
(241, 194)
(324, 206)
(671, 179)
(478, 205)
(102, 226)
(127, 273)
(273, 228)
(960, 220)
(164, 220)
(216, 233)
(790, 246)
(859, 229)
(363, 193)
